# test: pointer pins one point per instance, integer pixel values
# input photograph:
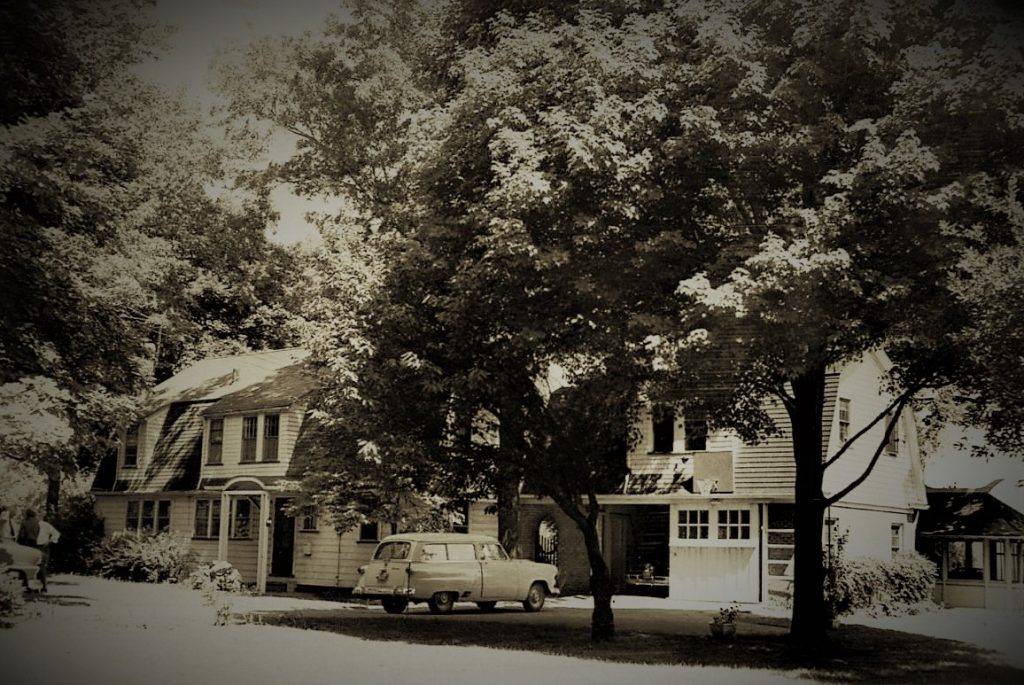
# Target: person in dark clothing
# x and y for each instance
(29, 531)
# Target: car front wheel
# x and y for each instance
(441, 602)
(394, 605)
(535, 597)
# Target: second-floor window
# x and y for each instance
(696, 434)
(844, 420)
(271, 429)
(664, 428)
(215, 449)
(131, 446)
(248, 438)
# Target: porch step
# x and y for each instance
(281, 585)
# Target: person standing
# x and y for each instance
(6, 525)
(47, 536)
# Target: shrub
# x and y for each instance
(143, 558)
(80, 531)
(12, 598)
(215, 576)
(888, 586)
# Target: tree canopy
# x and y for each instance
(635, 192)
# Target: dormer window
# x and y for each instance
(215, 445)
(131, 446)
(248, 439)
(271, 431)
(664, 428)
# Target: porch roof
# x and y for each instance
(969, 512)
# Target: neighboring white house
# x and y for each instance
(704, 516)
(214, 459)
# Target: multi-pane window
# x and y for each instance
(309, 518)
(1017, 554)
(241, 522)
(271, 430)
(696, 431)
(131, 446)
(896, 538)
(964, 560)
(248, 438)
(733, 524)
(207, 520)
(663, 426)
(997, 560)
(892, 444)
(844, 419)
(215, 447)
(369, 532)
(693, 524)
(148, 516)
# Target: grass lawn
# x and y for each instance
(856, 654)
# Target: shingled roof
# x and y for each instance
(969, 512)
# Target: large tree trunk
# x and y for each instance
(602, 621)
(809, 610)
(508, 516)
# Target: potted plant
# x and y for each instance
(723, 626)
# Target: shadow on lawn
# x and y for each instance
(857, 654)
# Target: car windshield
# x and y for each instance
(392, 550)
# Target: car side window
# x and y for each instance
(490, 551)
(392, 550)
(461, 552)
(433, 553)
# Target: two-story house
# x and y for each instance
(216, 457)
(704, 516)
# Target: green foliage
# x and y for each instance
(143, 558)
(12, 596)
(215, 576)
(80, 531)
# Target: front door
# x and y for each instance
(284, 540)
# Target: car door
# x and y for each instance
(448, 567)
(500, 574)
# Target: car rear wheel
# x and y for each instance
(535, 597)
(487, 606)
(441, 602)
(394, 605)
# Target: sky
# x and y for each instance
(203, 29)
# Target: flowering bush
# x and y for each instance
(215, 576)
(892, 587)
(143, 558)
